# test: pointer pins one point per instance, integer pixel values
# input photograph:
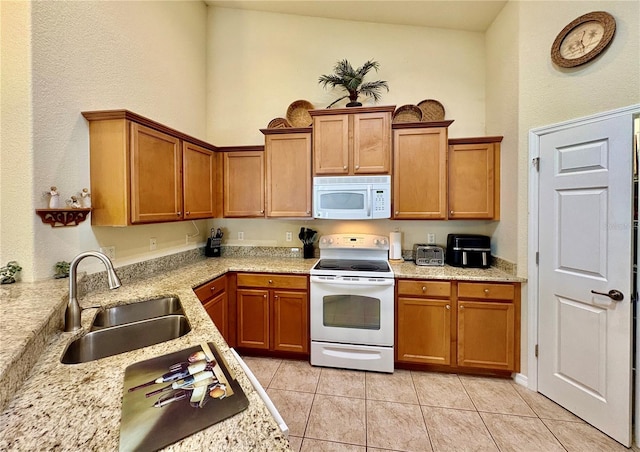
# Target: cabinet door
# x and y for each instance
(217, 308)
(420, 174)
(486, 334)
(253, 318)
(198, 166)
(156, 182)
(424, 331)
(472, 181)
(371, 143)
(244, 184)
(288, 165)
(331, 144)
(290, 321)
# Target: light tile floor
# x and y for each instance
(342, 410)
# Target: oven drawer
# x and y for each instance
(486, 291)
(271, 280)
(424, 288)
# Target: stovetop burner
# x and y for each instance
(352, 265)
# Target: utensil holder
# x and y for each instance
(308, 251)
(213, 247)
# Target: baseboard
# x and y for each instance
(521, 379)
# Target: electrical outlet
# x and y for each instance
(153, 243)
(240, 235)
(109, 251)
(431, 239)
(289, 236)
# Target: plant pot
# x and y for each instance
(354, 104)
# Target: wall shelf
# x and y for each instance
(63, 217)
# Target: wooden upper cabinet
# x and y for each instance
(198, 166)
(145, 172)
(474, 178)
(288, 173)
(243, 184)
(420, 171)
(352, 140)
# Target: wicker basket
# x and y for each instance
(278, 123)
(407, 113)
(298, 113)
(432, 110)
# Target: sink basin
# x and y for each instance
(124, 338)
(134, 312)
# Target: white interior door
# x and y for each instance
(585, 238)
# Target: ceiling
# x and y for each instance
(471, 15)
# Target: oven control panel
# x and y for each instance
(358, 241)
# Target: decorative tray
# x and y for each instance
(174, 396)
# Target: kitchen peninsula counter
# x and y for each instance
(77, 407)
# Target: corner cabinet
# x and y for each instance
(348, 141)
(144, 172)
(288, 172)
(420, 171)
(214, 298)
(474, 178)
(273, 312)
(243, 182)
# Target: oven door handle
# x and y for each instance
(361, 282)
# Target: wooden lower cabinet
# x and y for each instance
(273, 312)
(459, 325)
(489, 326)
(424, 322)
(215, 300)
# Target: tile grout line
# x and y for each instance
(426, 425)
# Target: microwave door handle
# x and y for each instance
(368, 202)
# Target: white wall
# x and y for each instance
(148, 57)
(258, 63)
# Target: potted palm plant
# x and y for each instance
(351, 80)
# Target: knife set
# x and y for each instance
(213, 243)
(308, 237)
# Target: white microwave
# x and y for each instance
(352, 197)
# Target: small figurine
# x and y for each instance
(54, 198)
(73, 202)
(85, 197)
(8, 273)
(62, 269)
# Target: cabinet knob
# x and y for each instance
(357, 166)
(424, 289)
(270, 281)
(461, 308)
(276, 297)
(486, 291)
(212, 289)
(187, 213)
(308, 212)
(264, 296)
(397, 212)
(451, 212)
(344, 167)
(262, 211)
(448, 307)
(178, 213)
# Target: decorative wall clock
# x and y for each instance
(583, 39)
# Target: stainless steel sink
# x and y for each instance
(125, 338)
(134, 312)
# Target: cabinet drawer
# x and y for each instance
(486, 291)
(211, 289)
(427, 288)
(270, 280)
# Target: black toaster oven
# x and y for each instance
(468, 250)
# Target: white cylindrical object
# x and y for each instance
(395, 245)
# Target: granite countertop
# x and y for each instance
(77, 407)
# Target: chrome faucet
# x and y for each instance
(72, 314)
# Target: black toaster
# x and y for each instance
(468, 250)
